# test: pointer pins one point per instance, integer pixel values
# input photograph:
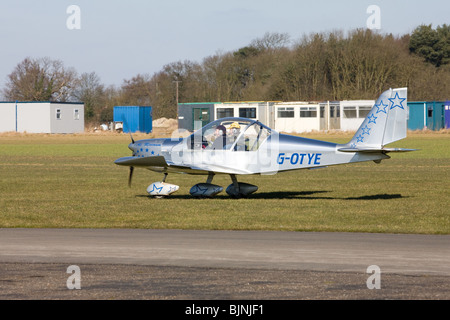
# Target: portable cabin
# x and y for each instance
(42, 117)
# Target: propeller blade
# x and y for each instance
(132, 140)
(125, 122)
(130, 176)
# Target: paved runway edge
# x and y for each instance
(317, 251)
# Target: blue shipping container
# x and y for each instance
(426, 114)
(134, 118)
(447, 115)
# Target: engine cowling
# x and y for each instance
(161, 189)
(205, 190)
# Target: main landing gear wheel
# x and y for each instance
(240, 189)
(205, 190)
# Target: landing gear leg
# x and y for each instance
(210, 177)
(235, 183)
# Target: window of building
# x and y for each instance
(349, 112)
(76, 114)
(285, 112)
(225, 112)
(308, 112)
(364, 111)
(247, 113)
(58, 114)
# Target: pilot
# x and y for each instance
(235, 129)
(221, 138)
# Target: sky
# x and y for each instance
(120, 39)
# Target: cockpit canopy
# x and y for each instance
(237, 134)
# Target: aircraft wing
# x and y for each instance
(156, 161)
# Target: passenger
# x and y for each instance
(221, 138)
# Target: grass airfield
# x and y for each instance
(71, 181)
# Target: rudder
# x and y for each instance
(396, 125)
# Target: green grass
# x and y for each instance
(70, 181)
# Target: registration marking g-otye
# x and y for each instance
(299, 158)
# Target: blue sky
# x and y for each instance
(120, 39)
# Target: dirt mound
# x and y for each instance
(164, 126)
(165, 123)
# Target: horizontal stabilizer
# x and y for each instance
(375, 150)
(156, 161)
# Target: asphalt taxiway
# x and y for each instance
(204, 264)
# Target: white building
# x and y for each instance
(42, 117)
(297, 116)
(353, 113)
(263, 111)
(290, 117)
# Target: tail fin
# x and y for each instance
(385, 123)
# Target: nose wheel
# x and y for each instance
(162, 189)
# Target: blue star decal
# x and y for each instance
(381, 107)
(153, 152)
(366, 130)
(398, 101)
(155, 188)
(353, 145)
(360, 138)
(372, 119)
(200, 190)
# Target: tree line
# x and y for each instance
(320, 66)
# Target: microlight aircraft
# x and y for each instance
(241, 146)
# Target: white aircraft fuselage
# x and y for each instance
(241, 146)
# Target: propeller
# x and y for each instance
(131, 136)
(130, 177)
(125, 122)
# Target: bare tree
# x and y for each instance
(137, 90)
(90, 91)
(273, 40)
(40, 80)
